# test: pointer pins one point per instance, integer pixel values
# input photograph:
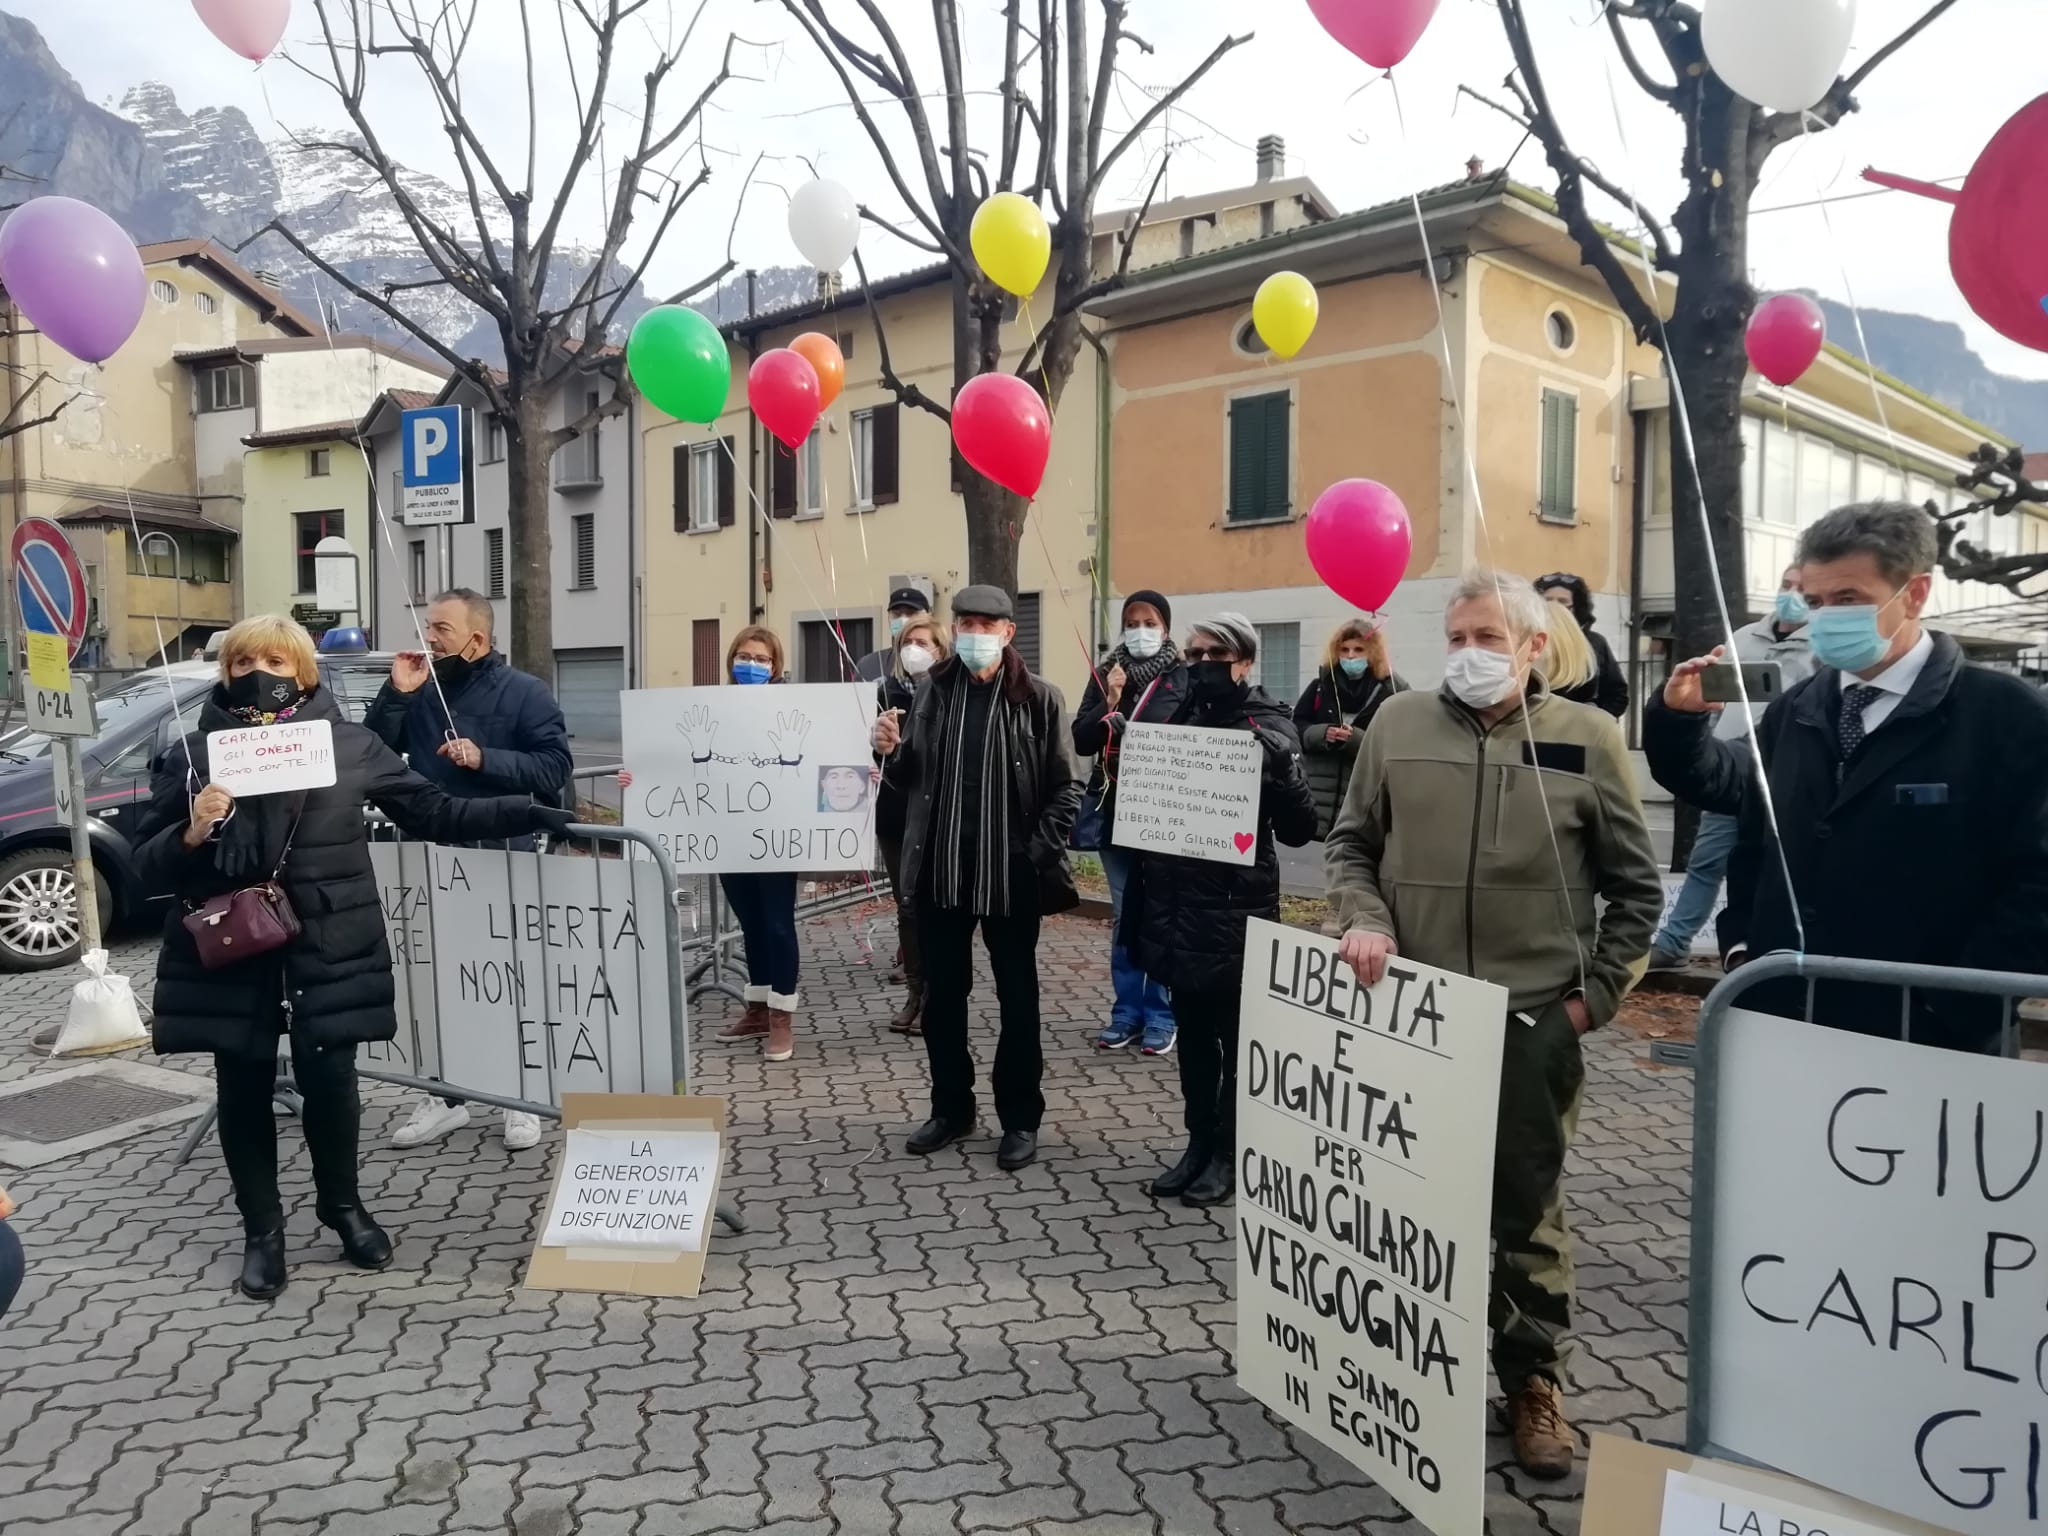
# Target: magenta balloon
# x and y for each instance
(74, 274)
(1381, 32)
(1358, 541)
(249, 27)
(1785, 336)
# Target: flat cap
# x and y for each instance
(911, 598)
(984, 603)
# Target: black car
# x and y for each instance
(138, 718)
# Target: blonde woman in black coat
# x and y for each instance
(330, 988)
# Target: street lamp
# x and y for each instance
(177, 581)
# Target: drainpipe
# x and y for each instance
(755, 607)
(17, 447)
(1638, 514)
(1099, 614)
(636, 528)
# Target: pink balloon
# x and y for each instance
(248, 27)
(783, 389)
(1004, 430)
(1998, 239)
(1784, 336)
(1381, 32)
(74, 273)
(1358, 541)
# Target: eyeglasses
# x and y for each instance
(1213, 653)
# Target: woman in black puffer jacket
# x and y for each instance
(330, 988)
(1184, 919)
(1356, 678)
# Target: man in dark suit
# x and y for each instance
(1910, 791)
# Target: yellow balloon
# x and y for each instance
(1284, 312)
(1011, 242)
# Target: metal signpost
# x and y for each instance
(50, 597)
(435, 486)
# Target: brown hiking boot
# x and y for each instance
(749, 1024)
(781, 1042)
(904, 1020)
(1544, 1446)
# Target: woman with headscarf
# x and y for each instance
(1185, 918)
(1608, 687)
(1141, 679)
(920, 645)
(1355, 679)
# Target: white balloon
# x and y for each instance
(824, 221)
(1780, 54)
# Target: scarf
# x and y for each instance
(249, 714)
(988, 892)
(1139, 674)
(1351, 698)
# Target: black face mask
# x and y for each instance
(451, 670)
(1212, 685)
(265, 691)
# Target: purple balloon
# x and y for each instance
(74, 273)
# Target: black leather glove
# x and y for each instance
(556, 823)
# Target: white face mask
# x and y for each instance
(917, 660)
(1142, 642)
(1479, 678)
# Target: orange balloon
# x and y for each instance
(822, 353)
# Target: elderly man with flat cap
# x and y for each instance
(986, 767)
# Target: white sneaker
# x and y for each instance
(521, 1130)
(431, 1120)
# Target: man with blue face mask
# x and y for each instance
(1897, 770)
(907, 605)
(1779, 638)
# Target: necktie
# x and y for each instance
(1849, 730)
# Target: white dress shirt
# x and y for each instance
(1896, 680)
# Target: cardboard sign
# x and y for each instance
(272, 759)
(1695, 1506)
(1879, 1271)
(745, 780)
(646, 1190)
(1633, 1489)
(1189, 790)
(49, 661)
(608, 1265)
(1365, 1130)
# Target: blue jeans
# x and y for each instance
(10, 1267)
(765, 905)
(1140, 1001)
(1703, 872)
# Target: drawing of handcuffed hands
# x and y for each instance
(699, 730)
(695, 727)
(787, 739)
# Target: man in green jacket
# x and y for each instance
(1483, 827)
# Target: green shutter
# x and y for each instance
(1277, 460)
(1259, 457)
(1558, 492)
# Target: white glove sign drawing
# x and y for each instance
(697, 726)
(786, 741)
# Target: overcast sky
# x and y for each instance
(1925, 113)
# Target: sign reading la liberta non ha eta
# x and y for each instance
(751, 779)
(1365, 1130)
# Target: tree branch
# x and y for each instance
(1847, 89)
(1158, 107)
(901, 234)
(909, 394)
(1668, 94)
(14, 423)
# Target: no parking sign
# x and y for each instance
(49, 583)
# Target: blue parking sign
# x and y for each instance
(434, 466)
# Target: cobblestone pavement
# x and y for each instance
(897, 1346)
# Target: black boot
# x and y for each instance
(263, 1264)
(1177, 1178)
(1214, 1185)
(362, 1240)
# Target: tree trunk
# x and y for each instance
(995, 526)
(532, 576)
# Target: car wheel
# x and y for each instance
(39, 910)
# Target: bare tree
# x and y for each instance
(1056, 147)
(1705, 247)
(517, 235)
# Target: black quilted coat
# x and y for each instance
(337, 973)
(1184, 919)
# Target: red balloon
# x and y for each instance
(1004, 430)
(1381, 32)
(1358, 541)
(1784, 336)
(1998, 239)
(783, 389)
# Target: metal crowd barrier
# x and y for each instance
(2014, 987)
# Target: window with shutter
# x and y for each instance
(1027, 641)
(494, 562)
(1280, 660)
(781, 480)
(882, 490)
(862, 436)
(583, 539)
(706, 461)
(679, 467)
(728, 506)
(1558, 491)
(1261, 458)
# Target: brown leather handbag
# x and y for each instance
(239, 925)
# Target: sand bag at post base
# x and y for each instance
(524, 974)
(744, 780)
(1878, 1320)
(1189, 790)
(1365, 1128)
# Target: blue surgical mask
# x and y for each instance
(978, 652)
(745, 671)
(1791, 609)
(1847, 638)
(896, 623)
(1354, 666)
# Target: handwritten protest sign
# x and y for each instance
(1189, 790)
(646, 1190)
(738, 780)
(272, 759)
(1878, 1270)
(1365, 1131)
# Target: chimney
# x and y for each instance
(1474, 168)
(1272, 157)
(752, 277)
(828, 286)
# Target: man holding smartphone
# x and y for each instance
(1776, 640)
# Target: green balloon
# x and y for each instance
(678, 360)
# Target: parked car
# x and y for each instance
(138, 718)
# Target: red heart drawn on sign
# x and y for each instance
(1244, 841)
